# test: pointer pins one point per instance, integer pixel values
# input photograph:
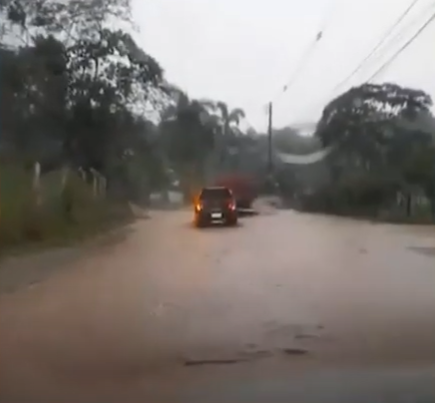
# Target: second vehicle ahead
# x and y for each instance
(215, 205)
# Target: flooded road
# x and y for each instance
(286, 306)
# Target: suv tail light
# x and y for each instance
(232, 205)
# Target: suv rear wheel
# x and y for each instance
(232, 222)
(199, 223)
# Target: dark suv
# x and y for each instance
(215, 205)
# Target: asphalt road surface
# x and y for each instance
(287, 307)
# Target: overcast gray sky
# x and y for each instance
(244, 51)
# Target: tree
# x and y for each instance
(229, 120)
(361, 121)
(418, 168)
(383, 136)
(75, 82)
(188, 131)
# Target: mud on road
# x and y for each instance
(284, 293)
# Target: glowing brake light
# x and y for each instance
(232, 205)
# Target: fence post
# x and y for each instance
(65, 175)
(94, 182)
(103, 185)
(37, 183)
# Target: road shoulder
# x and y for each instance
(27, 269)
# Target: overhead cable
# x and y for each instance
(394, 39)
(379, 44)
(402, 48)
(303, 61)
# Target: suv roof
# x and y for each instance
(214, 188)
(215, 192)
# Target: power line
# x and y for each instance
(402, 48)
(379, 44)
(396, 37)
(300, 65)
(305, 58)
(306, 55)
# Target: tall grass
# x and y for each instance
(54, 214)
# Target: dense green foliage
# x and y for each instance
(384, 139)
(78, 93)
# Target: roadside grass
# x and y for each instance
(421, 215)
(58, 216)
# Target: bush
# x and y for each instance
(54, 215)
(360, 195)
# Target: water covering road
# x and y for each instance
(287, 307)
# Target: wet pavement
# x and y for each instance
(286, 307)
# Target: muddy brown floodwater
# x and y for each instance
(286, 306)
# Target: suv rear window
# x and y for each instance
(215, 194)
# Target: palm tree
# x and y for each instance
(229, 118)
(189, 129)
(229, 121)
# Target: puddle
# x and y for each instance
(227, 361)
(424, 250)
(295, 351)
(243, 357)
(304, 336)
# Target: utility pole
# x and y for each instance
(269, 141)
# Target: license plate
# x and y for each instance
(216, 215)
